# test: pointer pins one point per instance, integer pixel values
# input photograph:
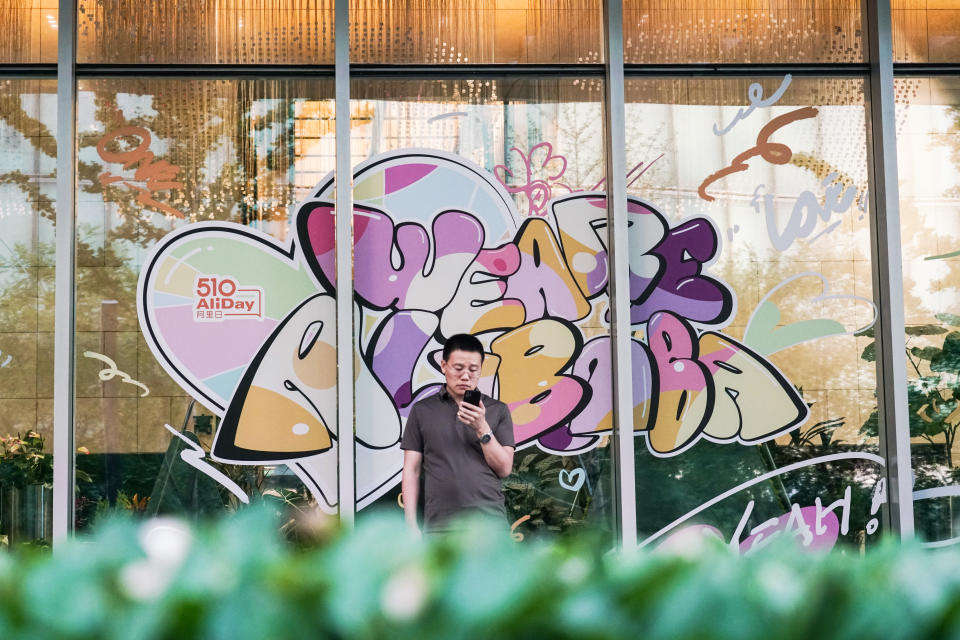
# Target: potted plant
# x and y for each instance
(26, 488)
(26, 496)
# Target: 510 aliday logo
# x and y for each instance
(219, 297)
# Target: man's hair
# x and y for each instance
(462, 342)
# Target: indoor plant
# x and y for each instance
(26, 495)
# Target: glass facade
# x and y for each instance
(208, 371)
(157, 155)
(525, 142)
(27, 181)
(926, 142)
(476, 32)
(742, 31)
(786, 241)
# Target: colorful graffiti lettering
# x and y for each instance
(542, 173)
(815, 527)
(806, 213)
(440, 248)
(152, 175)
(772, 152)
(822, 515)
(755, 93)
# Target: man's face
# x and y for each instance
(462, 371)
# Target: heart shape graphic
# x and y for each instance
(572, 480)
(763, 336)
(210, 359)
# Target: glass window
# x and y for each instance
(28, 153)
(27, 181)
(29, 28)
(476, 31)
(186, 195)
(733, 31)
(752, 309)
(928, 149)
(926, 30)
(203, 31)
(496, 174)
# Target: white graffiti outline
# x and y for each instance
(856, 455)
(948, 491)
(112, 372)
(451, 114)
(572, 479)
(824, 296)
(194, 457)
(837, 199)
(176, 265)
(755, 93)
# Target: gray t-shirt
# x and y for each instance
(457, 478)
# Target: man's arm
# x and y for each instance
(498, 457)
(410, 486)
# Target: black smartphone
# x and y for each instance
(472, 396)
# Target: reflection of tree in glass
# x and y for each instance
(533, 489)
(233, 142)
(933, 411)
(951, 140)
(933, 399)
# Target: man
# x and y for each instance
(463, 449)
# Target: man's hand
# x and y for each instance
(498, 457)
(410, 488)
(474, 417)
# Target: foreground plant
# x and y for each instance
(239, 579)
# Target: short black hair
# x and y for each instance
(462, 342)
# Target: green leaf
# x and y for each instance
(870, 352)
(948, 318)
(925, 330)
(948, 360)
(926, 353)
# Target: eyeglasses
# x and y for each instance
(473, 371)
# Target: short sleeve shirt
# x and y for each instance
(457, 478)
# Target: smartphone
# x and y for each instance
(472, 396)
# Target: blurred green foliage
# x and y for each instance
(240, 579)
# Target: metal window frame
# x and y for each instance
(346, 464)
(886, 264)
(887, 267)
(65, 289)
(618, 250)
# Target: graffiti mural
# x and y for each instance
(246, 324)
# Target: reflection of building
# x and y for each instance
(219, 111)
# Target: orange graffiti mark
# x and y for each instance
(151, 175)
(516, 535)
(772, 152)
